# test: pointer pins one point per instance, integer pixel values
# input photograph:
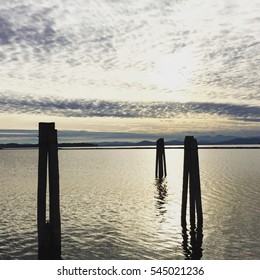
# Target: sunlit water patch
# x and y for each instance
(113, 208)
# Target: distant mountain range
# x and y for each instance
(202, 140)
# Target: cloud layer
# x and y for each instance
(143, 45)
(142, 63)
(100, 108)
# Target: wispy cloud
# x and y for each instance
(74, 59)
(81, 108)
(29, 32)
(74, 41)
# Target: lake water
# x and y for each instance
(113, 208)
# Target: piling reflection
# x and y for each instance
(192, 243)
(161, 195)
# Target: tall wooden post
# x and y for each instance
(191, 179)
(49, 232)
(160, 164)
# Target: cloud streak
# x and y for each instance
(74, 59)
(86, 37)
(81, 108)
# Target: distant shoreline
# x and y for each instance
(32, 146)
(204, 142)
(154, 147)
(177, 147)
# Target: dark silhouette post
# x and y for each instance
(191, 179)
(160, 165)
(49, 233)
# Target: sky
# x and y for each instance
(130, 68)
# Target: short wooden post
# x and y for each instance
(191, 179)
(49, 233)
(160, 164)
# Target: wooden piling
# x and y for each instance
(160, 163)
(49, 233)
(191, 179)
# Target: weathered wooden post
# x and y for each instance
(49, 233)
(191, 179)
(160, 164)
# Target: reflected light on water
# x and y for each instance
(192, 243)
(161, 196)
(113, 208)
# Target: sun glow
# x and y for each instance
(174, 71)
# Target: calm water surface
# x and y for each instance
(113, 208)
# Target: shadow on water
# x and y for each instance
(161, 195)
(192, 243)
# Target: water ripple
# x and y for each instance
(132, 216)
